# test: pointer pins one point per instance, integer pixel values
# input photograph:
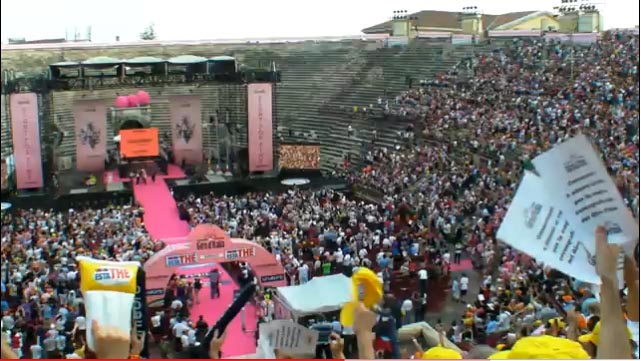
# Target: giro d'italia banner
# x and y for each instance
(90, 120)
(25, 129)
(259, 114)
(186, 128)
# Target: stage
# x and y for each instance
(111, 189)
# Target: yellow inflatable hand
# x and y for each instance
(372, 288)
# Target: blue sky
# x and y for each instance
(219, 19)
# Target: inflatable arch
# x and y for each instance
(204, 245)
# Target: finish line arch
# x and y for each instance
(207, 244)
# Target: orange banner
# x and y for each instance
(136, 143)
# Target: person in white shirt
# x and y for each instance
(338, 256)
(50, 346)
(184, 341)
(191, 334)
(446, 262)
(176, 305)
(303, 273)
(422, 281)
(81, 323)
(406, 309)
(504, 321)
(179, 329)
(36, 350)
(464, 284)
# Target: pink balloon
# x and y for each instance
(122, 102)
(133, 100)
(143, 97)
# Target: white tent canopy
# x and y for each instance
(321, 294)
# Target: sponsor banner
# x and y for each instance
(136, 143)
(272, 278)
(259, 123)
(186, 128)
(299, 156)
(155, 292)
(140, 310)
(241, 253)
(25, 129)
(90, 120)
(206, 244)
(180, 260)
(211, 256)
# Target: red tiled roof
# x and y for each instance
(449, 20)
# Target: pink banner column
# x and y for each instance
(90, 119)
(259, 123)
(186, 128)
(25, 127)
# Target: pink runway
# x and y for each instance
(237, 341)
(163, 223)
(161, 214)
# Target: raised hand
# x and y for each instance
(110, 342)
(336, 345)
(216, 345)
(607, 256)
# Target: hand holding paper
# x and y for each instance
(536, 226)
(553, 216)
(575, 176)
(289, 337)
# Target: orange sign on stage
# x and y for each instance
(136, 143)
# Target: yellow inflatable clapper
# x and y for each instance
(108, 289)
(366, 288)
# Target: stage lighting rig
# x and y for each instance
(399, 15)
(577, 7)
(471, 10)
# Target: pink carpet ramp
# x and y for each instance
(161, 214)
(237, 341)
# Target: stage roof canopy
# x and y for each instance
(102, 60)
(187, 59)
(143, 60)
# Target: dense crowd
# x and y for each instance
(442, 200)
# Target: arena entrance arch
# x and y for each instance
(208, 244)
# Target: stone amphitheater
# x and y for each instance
(321, 82)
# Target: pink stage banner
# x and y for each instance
(91, 135)
(25, 127)
(259, 112)
(186, 128)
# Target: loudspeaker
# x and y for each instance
(190, 170)
(243, 162)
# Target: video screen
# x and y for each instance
(301, 156)
(136, 143)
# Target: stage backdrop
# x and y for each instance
(186, 128)
(25, 127)
(90, 119)
(259, 114)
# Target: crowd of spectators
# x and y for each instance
(440, 198)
